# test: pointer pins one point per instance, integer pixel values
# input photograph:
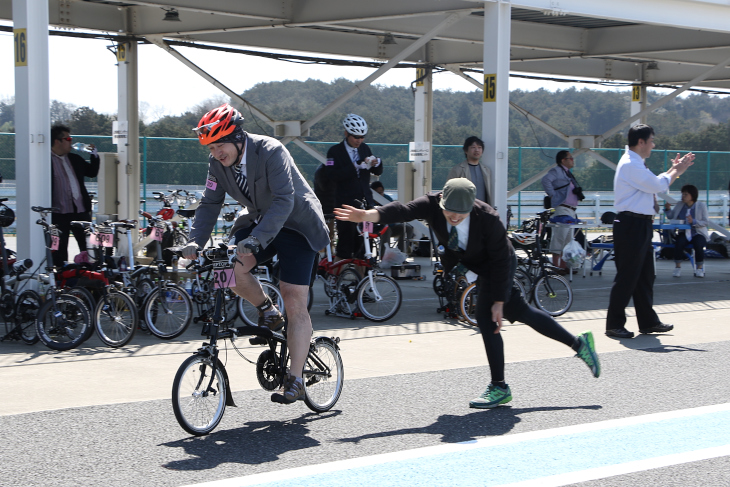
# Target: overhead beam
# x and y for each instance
(452, 19)
(662, 101)
(160, 42)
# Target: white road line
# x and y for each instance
(558, 480)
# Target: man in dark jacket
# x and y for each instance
(68, 192)
(349, 166)
(472, 234)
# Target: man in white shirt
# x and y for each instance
(635, 188)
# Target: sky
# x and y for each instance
(84, 73)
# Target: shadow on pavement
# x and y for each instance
(254, 443)
(458, 429)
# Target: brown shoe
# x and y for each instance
(271, 319)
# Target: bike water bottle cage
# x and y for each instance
(266, 305)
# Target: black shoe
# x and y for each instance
(658, 328)
(620, 333)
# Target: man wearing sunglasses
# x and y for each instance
(68, 192)
(349, 165)
(283, 218)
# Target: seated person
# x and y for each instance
(695, 214)
(378, 187)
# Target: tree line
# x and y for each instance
(698, 122)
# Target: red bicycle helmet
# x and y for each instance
(218, 124)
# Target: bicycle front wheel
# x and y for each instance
(381, 301)
(26, 310)
(168, 311)
(323, 375)
(199, 395)
(115, 318)
(84, 295)
(553, 294)
(468, 304)
(248, 311)
(62, 325)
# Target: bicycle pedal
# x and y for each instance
(258, 341)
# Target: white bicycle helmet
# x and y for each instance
(355, 124)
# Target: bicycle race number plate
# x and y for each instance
(93, 241)
(55, 239)
(156, 234)
(367, 227)
(106, 239)
(223, 277)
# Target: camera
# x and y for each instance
(579, 193)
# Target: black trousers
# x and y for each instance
(349, 242)
(63, 223)
(634, 272)
(515, 309)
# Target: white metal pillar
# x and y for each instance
(423, 130)
(638, 102)
(128, 170)
(32, 123)
(495, 107)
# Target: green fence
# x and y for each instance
(184, 161)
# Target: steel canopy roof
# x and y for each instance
(657, 41)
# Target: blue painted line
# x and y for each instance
(523, 457)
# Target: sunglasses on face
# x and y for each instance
(68, 139)
(205, 129)
(358, 137)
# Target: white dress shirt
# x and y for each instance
(462, 230)
(634, 185)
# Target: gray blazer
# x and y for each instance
(700, 218)
(461, 170)
(556, 184)
(279, 195)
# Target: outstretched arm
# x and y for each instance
(352, 214)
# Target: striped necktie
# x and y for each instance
(453, 243)
(241, 181)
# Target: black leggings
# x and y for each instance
(515, 309)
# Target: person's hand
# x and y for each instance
(497, 315)
(249, 245)
(350, 214)
(682, 163)
(371, 161)
(93, 150)
(689, 219)
(190, 251)
(667, 207)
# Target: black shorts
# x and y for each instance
(296, 258)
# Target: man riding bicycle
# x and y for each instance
(284, 218)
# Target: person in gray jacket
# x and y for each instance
(473, 169)
(565, 194)
(284, 218)
(695, 214)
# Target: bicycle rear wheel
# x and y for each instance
(323, 375)
(383, 305)
(553, 294)
(168, 312)
(468, 304)
(62, 325)
(115, 318)
(248, 311)
(198, 401)
(26, 310)
(84, 295)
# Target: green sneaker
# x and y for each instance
(492, 397)
(587, 353)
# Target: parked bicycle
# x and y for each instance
(201, 388)
(377, 296)
(542, 284)
(63, 321)
(18, 304)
